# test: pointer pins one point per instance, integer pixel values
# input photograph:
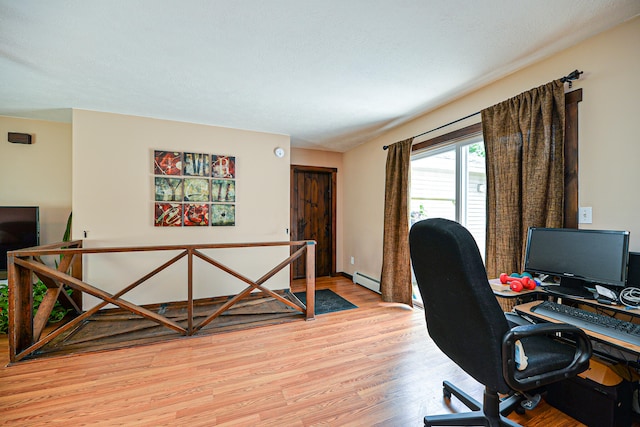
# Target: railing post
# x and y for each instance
(20, 308)
(311, 280)
(76, 272)
(190, 291)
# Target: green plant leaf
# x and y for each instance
(39, 291)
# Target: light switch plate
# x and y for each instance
(585, 216)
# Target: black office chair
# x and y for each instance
(466, 322)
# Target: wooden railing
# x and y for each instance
(26, 330)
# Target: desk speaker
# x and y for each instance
(633, 270)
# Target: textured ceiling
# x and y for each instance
(330, 73)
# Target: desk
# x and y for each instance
(602, 394)
(508, 299)
(521, 303)
(525, 309)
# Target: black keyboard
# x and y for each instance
(594, 322)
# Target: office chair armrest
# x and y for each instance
(579, 363)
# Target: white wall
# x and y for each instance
(38, 174)
(609, 152)
(113, 194)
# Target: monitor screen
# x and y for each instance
(19, 229)
(594, 256)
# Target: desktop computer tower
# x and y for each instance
(633, 270)
(598, 397)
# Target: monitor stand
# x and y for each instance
(570, 287)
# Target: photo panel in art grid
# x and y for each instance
(168, 189)
(223, 166)
(196, 189)
(223, 214)
(167, 163)
(168, 215)
(196, 164)
(223, 190)
(196, 214)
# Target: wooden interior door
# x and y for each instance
(313, 211)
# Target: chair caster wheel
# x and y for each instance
(446, 393)
(520, 410)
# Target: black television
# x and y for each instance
(580, 258)
(19, 229)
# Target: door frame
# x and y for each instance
(333, 174)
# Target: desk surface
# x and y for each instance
(505, 291)
(525, 309)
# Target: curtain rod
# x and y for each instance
(574, 75)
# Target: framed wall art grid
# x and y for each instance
(194, 189)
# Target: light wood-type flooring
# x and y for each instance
(370, 366)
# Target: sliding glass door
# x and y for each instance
(449, 181)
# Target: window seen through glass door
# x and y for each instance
(450, 182)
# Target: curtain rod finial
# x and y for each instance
(574, 75)
(569, 78)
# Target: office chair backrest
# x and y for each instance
(463, 316)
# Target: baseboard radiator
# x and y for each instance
(366, 281)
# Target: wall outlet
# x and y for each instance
(585, 215)
(353, 260)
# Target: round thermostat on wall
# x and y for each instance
(279, 152)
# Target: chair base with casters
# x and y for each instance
(493, 412)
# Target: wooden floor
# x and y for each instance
(370, 366)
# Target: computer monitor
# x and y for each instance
(579, 257)
(19, 229)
